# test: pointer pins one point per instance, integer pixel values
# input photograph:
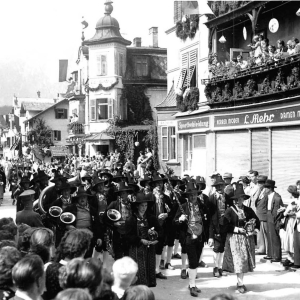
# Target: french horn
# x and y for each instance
(114, 215)
(67, 218)
(55, 211)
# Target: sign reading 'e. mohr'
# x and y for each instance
(195, 123)
(287, 114)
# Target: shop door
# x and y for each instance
(233, 153)
(260, 151)
(194, 149)
(103, 149)
(285, 158)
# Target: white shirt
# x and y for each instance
(118, 291)
(270, 198)
(22, 295)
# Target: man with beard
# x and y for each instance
(218, 203)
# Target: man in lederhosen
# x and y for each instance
(218, 203)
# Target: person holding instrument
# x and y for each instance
(189, 218)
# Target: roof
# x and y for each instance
(52, 106)
(36, 106)
(170, 100)
(99, 136)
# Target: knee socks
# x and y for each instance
(192, 277)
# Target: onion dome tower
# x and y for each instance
(107, 29)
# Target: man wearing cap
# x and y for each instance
(261, 212)
(27, 215)
(228, 186)
(274, 207)
(218, 203)
(214, 176)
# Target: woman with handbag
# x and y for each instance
(240, 223)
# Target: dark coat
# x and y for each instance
(214, 227)
(132, 232)
(276, 204)
(3, 179)
(183, 226)
(97, 229)
(231, 219)
(261, 208)
(29, 217)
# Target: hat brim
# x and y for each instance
(239, 196)
(106, 173)
(124, 190)
(203, 184)
(268, 186)
(186, 194)
(218, 183)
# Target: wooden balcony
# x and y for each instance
(76, 129)
(270, 81)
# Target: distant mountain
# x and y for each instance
(5, 109)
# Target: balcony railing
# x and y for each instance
(279, 78)
(76, 128)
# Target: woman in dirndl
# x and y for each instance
(240, 223)
(143, 232)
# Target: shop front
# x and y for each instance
(99, 143)
(265, 140)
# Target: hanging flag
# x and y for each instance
(84, 23)
(63, 69)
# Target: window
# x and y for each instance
(168, 142)
(56, 135)
(141, 66)
(101, 109)
(120, 71)
(101, 65)
(188, 74)
(61, 113)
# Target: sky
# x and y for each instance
(35, 34)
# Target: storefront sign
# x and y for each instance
(59, 151)
(167, 123)
(195, 123)
(280, 115)
(103, 142)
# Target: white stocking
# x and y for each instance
(220, 262)
(183, 261)
(169, 254)
(176, 246)
(192, 277)
(157, 263)
(240, 279)
(163, 255)
(216, 259)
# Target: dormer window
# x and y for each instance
(141, 66)
(101, 65)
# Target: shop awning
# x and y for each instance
(59, 151)
(99, 136)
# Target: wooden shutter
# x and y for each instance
(93, 109)
(59, 135)
(185, 66)
(181, 78)
(110, 108)
(65, 113)
(285, 158)
(103, 65)
(193, 57)
(177, 11)
(260, 151)
(232, 152)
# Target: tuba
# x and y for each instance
(67, 218)
(75, 181)
(55, 211)
(114, 215)
(41, 201)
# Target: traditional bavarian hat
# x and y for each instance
(134, 187)
(175, 180)
(239, 192)
(200, 181)
(66, 186)
(119, 176)
(215, 174)
(106, 172)
(141, 198)
(123, 187)
(96, 182)
(145, 179)
(191, 189)
(156, 177)
(81, 192)
(219, 181)
(27, 193)
(85, 175)
(58, 177)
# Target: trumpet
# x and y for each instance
(114, 215)
(67, 218)
(55, 211)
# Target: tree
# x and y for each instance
(41, 137)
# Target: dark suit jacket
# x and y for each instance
(276, 204)
(261, 207)
(214, 227)
(30, 218)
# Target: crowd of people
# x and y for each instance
(68, 224)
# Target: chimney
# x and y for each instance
(137, 42)
(39, 94)
(153, 32)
